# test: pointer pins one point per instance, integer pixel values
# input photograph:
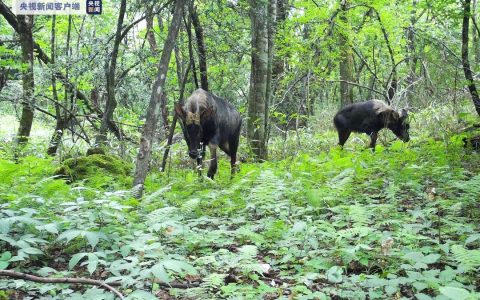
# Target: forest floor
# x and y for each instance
(316, 222)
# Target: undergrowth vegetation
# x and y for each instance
(316, 222)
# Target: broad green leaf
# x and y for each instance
(52, 228)
(454, 293)
(334, 274)
(159, 272)
(141, 295)
(93, 238)
(31, 250)
(421, 296)
(431, 258)
(69, 235)
(414, 256)
(4, 226)
(92, 263)
(6, 256)
(75, 259)
(3, 264)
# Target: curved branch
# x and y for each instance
(88, 281)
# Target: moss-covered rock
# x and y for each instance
(96, 168)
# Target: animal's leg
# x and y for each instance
(343, 136)
(213, 160)
(373, 139)
(233, 166)
(233, 145)
(204, 146)
(199, 166)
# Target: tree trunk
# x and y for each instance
(188, 27)
(153, 113)
(202, 52)
(150, 33)
(271, 30)
(111, 101)
(25, 24)
(475, 33)
(346, 59)
(281, 16)
(412, 58)
(57, 134)
(258, 79)
(466, 65)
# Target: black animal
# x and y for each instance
(209, 120)
(370, 117)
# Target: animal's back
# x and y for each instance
(227, 118)
(360, 116)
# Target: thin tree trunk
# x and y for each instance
(175, 118)
(278, 61)
(271, 30)
(188, 27)
(346, 59)
(202, 52)
(258, 79)
(466, 65)
(411, 59)
(475, 33)
(25, 24)
(153, 113)
(150, 33)
(57, 134)
(111, 101)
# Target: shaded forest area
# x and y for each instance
(108, 190)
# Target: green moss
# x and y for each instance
(96, 166)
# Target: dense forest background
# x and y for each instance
(98, 198)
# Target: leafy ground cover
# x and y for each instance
(318, 223)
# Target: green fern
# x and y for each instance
(359, 215)
(468, 259)
(267, 188)
(354, 231)
(190, 206)
(213, 281)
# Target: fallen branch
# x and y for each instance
(19, 275)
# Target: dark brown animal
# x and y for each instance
(370, 117)
(209, 120)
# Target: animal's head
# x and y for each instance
(192, 127)
(400, 125)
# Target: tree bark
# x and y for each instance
(271, 30)
(150, 33)
(466, 64)
(281, 16)
(188, 27)
(346, 58)
(153, 113)
(57, 134)
(111, 103)
(412, 58)
(25, 24)
(202, 51)
(475, 33)
(258, 79)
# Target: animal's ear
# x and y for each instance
(181, 113)
(403, 113)
(206, 114)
